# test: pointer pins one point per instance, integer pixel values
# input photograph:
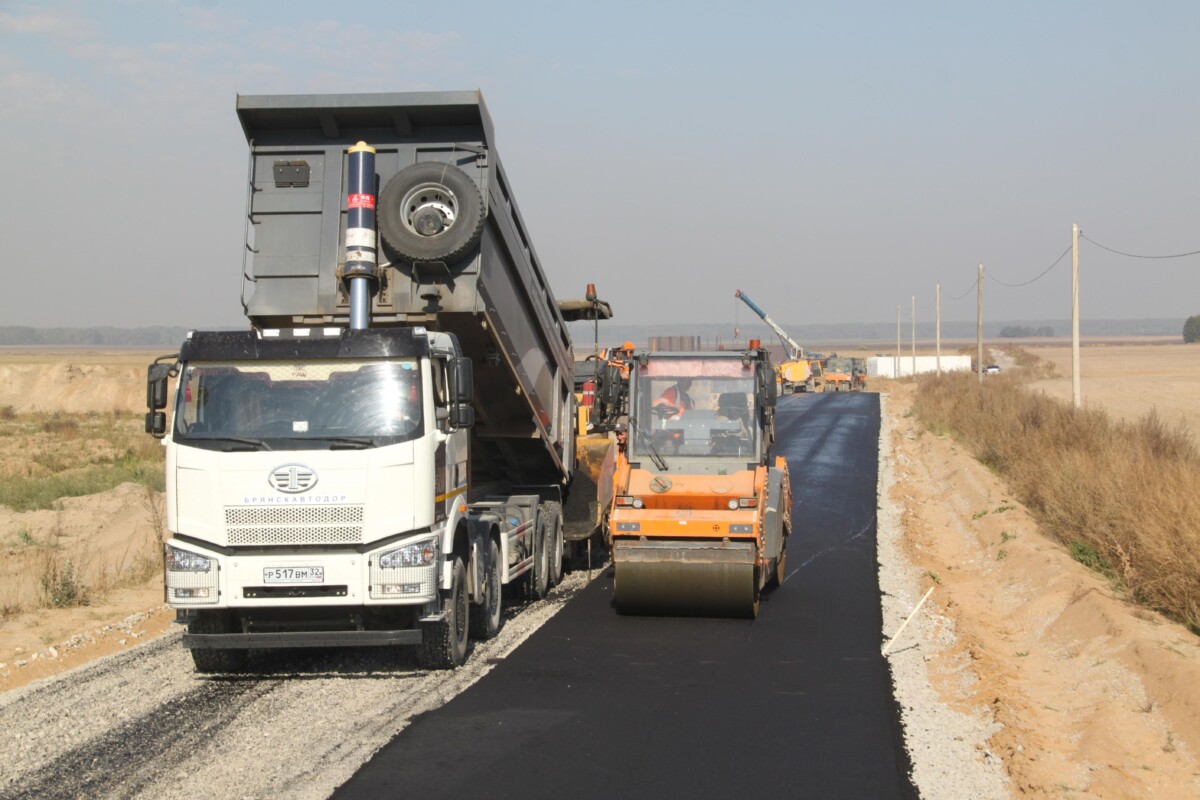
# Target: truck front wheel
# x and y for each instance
(444, 643)
(210, 661)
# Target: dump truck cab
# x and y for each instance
(700, 515)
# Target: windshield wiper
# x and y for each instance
(257, 444)
(655, 456)
(348, 442)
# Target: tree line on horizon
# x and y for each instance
(1191, 330)
(152, 336)
(171, 335)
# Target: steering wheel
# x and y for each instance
(664, 411)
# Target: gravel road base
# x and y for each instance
(948, 748)
(297, 728)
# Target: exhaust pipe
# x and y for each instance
(361, 270)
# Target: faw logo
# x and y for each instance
(292, 478)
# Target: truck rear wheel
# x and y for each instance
(444, 643)
(430, 212)
(209, 661)
(539, 577)
(486, 618)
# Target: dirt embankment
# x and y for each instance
(108, 538)
(76, 383)
(1095, 697)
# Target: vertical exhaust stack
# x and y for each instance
(361, 271)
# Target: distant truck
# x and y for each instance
(389, 446)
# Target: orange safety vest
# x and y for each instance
(676, 399)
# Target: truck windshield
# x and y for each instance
(706, 408)
(364, 402)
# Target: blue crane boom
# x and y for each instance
(794, 350)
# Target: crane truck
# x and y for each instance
(387, 447)
(795, 371)
(701, 511)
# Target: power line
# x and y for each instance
(1039, 276)
(1136, 255)
(970, 288)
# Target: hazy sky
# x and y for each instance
(830, 159)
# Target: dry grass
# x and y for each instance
(1124, 498)
(48, 456)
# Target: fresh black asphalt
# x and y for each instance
(795, 704)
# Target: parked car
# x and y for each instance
(992, 369)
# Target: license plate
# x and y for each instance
(294, 575)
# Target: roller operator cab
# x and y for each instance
(390, 445)
(701, 513)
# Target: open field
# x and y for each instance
(1129, 380)
(50, 379)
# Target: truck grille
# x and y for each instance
(252, 526)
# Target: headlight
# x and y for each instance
(186, 561)
(420, 554)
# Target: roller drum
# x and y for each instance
(690, 578)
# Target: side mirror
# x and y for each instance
(770, 390)
(462, 415)
(156, 424)
(156, 386)
(462, 376)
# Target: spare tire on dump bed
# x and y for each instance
(430, 212)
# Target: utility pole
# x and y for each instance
(979, 326)
(896, 360)
(914, 334)
(1076, 390)
(937, 303)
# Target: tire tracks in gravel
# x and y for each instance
(123, 761)
(143, 724)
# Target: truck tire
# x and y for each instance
(444, 644)
(555, 546)
(430, 212)
(539, 577)
(486, 619)
(212, 661)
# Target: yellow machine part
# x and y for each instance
(693, 577)
(795, 371)
(592, 489)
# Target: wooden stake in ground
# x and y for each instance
(892, 641)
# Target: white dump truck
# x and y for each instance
(386, 448)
